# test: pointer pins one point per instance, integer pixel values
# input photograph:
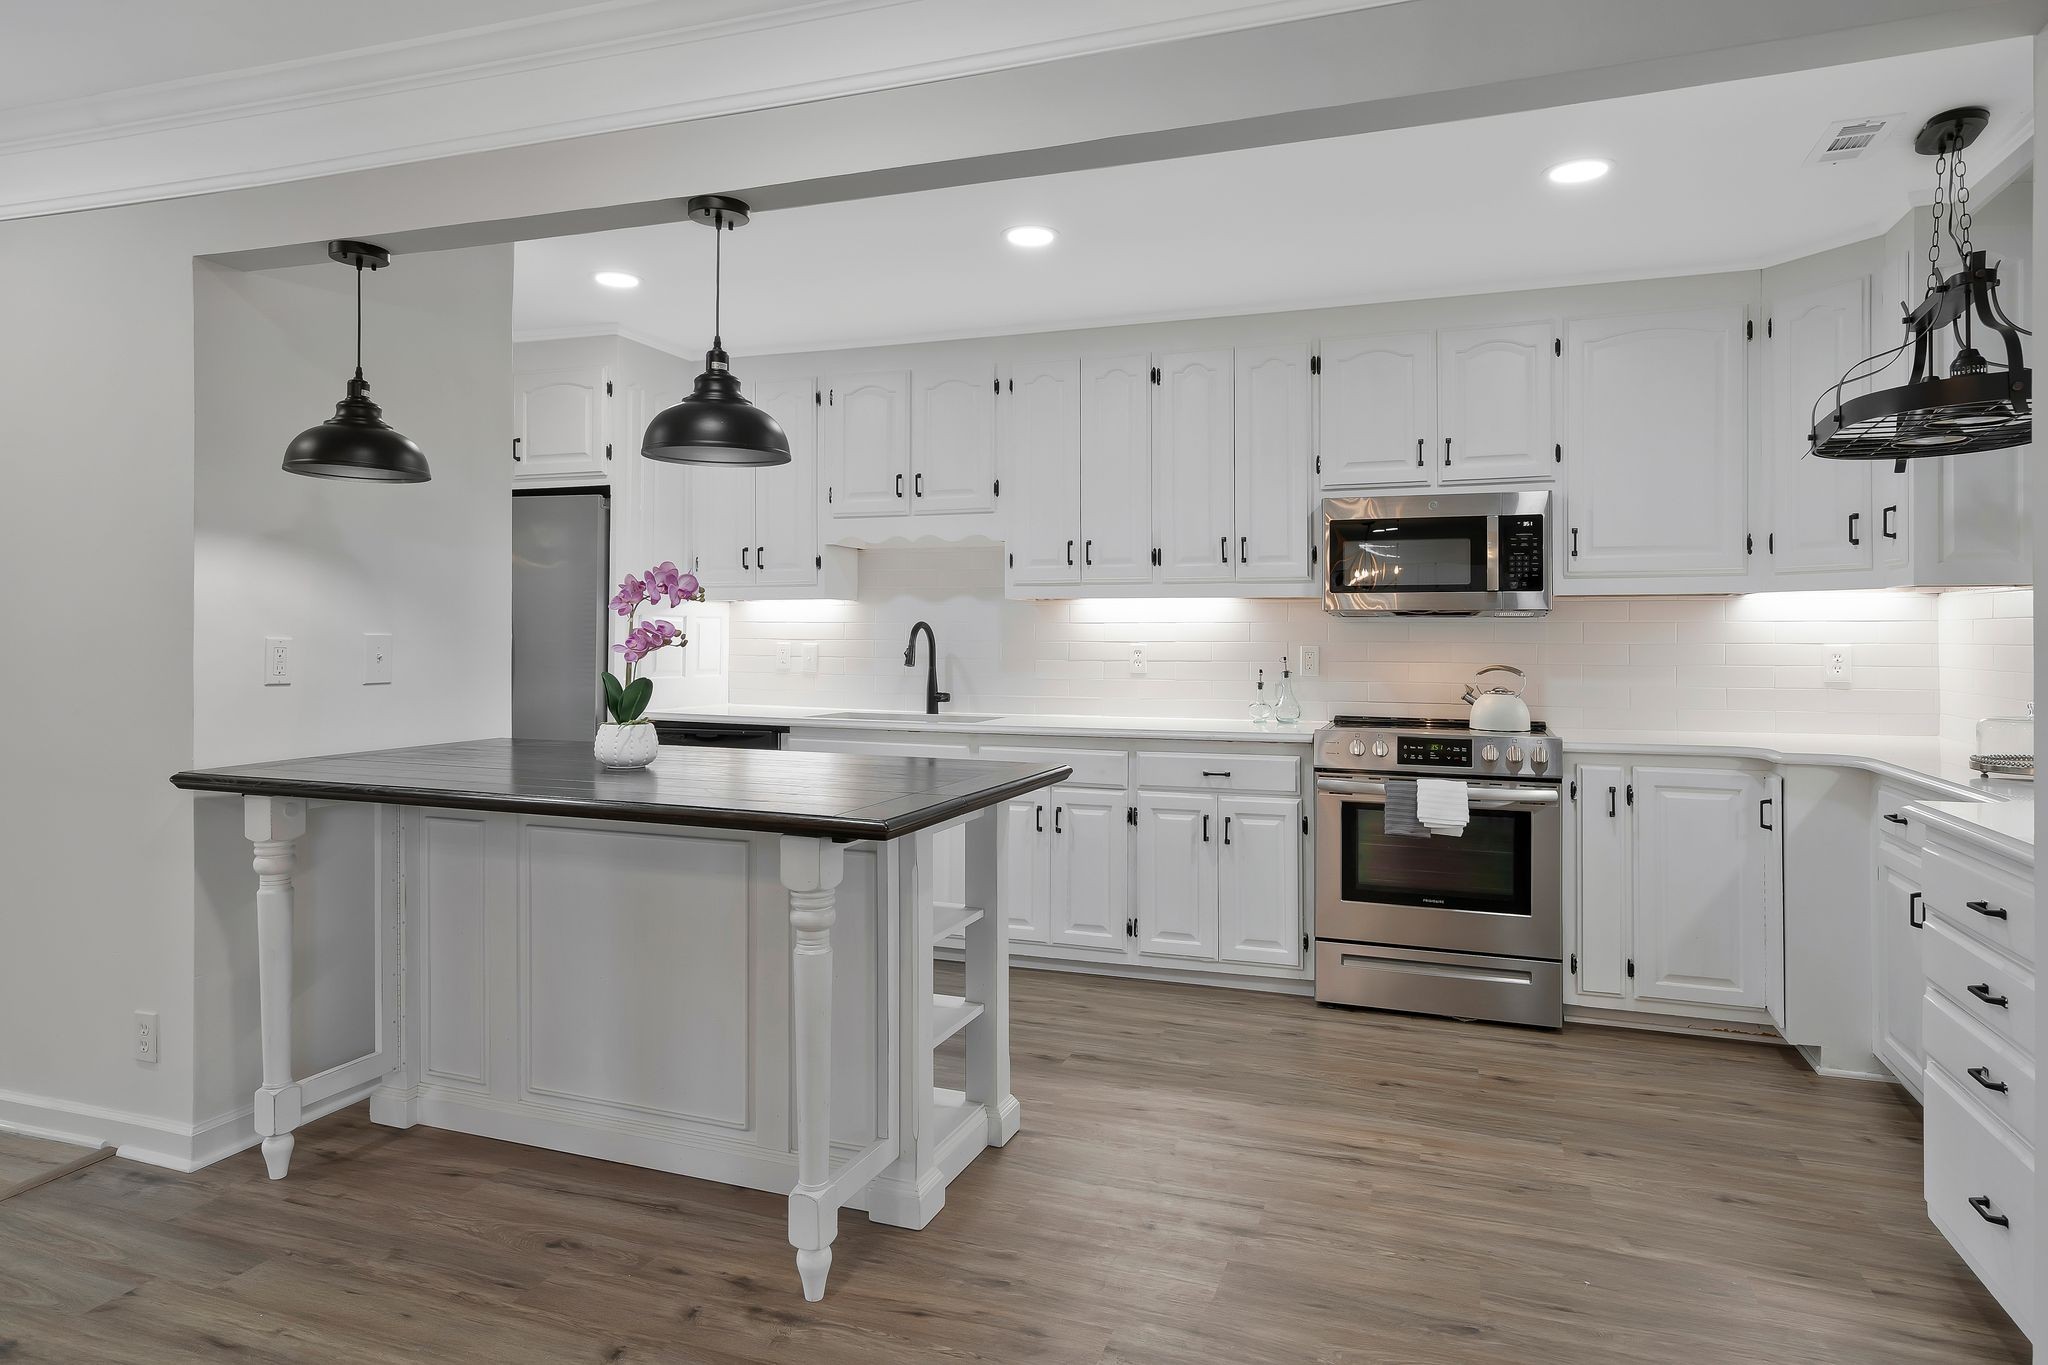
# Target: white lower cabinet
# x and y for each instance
(1680, 904)
(1219, 877)
(1089, 873)
(1901, 978)
(1176, 870)
(1025, 873)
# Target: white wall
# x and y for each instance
(323, 562)
(1986, 654)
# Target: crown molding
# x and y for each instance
(596, 69)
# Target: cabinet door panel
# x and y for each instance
(1657, 436)
(1176, 876)
(867, 444)
(1090, 869)
(1192, 475)
(953, 438)
(1699, 887)
(558, 416)
(1376, 410)
(1812, 339)
(1494, 400)
(722, 525)
(1273, 463)
(1042, 471)
(1603, 945)
(1901, 978)
(786, 495)
(1024, 871)
(1258, 881)
(1116, 469)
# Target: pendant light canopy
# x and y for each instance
(714, 425)
(1982, 404)
(357, 443)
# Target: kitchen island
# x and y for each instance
(604, 962)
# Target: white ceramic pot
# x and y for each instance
(627, 746)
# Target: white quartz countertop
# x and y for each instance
(2006, 826)
(1111, 727)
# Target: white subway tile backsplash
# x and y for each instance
(1922, 664)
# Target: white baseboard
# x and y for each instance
(142, 1137)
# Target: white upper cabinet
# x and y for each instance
(1820, 518)
(866, 430)
(1041, 447)
(558, 424)
(953, 437)
(1701, 897)
(1496, 387)
(1273, 462)
(1192, 470)
(1656, 435)
(1376, 409)
(1116, 468)
(721, 525)
(786, 495)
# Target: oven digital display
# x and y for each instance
(1433, 751)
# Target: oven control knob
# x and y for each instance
(1539, 758)
(1490, 753)
(1379, 748)
(1514, 755)
(1358, 748)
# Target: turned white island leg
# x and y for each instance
(811, 869)
(272, 824)
(988, 984)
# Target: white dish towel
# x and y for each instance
(1442, 805)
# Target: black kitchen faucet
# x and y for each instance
(932, 695)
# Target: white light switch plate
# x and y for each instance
(376, 659)
(807, 655)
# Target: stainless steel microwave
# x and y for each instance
(1437, 554)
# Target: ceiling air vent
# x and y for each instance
(1848, 140)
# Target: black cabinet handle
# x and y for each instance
(917, 485)
(1205, 829)
(1895, 819)
(1223, 548)
(1575, 542)
(1244, 553)
(1983, 992)
(899, 485)
(515, 449)
(1915, 916)
(743, 558)
(1610, 803)
(1038, 819)
(760, 556)
(1207, 773)
(1226, 829)
(1057, 812)
(1088, 552)
(1418, 451)
(1886, 526)
(1447, 450)
(1982, 1203)
(1853, 517)
(1761, 807)
(1070, 554)
(1987, 909)
(1982, 1076)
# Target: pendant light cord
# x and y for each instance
(718, 280)
(359, 319)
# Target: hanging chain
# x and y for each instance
(1939, 212)
(1959, 207)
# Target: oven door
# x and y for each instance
(1495, 889)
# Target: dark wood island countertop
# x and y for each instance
(822, 795)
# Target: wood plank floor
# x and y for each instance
(26, 1158)
(1203, 1175)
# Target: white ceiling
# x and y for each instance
(1707, 178)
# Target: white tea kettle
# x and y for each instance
(1498, 708)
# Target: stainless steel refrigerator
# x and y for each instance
(561, 579)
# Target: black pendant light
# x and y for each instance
(1982, 404)
(357, 443)
(714, 425)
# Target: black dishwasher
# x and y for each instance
(721, 734)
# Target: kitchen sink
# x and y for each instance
(911, 717)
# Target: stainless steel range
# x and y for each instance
(1469, 926)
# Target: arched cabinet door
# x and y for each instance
(1821, 517)
(866, 429)
(953, 437)
(1496, 403)
(558, 422)
(1376, 411)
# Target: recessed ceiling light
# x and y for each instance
(616, 279)
(1579, 172)
(1030, 236)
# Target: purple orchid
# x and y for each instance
(662, 584)
(632, 592)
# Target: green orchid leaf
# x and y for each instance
(613, 691)
(634, 698)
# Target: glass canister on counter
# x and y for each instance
(2005, 746)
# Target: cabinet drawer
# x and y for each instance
(1221, 772)
(1970, 1157)
(1984, 902)
(1959, 1045)
(817, 743)
(1890, 817)
(1092, 767)
(1955, 964)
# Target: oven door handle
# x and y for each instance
(1483, 798)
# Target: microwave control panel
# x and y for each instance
(1521, 554)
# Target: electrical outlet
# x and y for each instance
(145, 1035)
(1838, 666)
(1138, 661)
(376, 659)
(1311, 661)
(277, 661)
(807, 657)
(782, 656)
